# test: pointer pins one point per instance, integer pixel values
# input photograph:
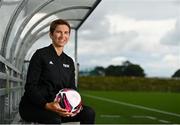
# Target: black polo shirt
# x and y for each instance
(47, 74)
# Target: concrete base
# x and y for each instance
(18, 120)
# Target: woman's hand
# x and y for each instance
(55, 107)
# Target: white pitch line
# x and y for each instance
(151, 117)
(164, 121)
(132, 105)
(110, 116)
(142, 116)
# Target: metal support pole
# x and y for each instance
(75, 49)
(76, 59)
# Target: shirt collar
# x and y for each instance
(54, 51)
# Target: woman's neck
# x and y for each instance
(58, 50)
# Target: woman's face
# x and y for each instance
(60, 36)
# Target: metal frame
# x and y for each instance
(14, 44)
(87, 15)
(9, 2)
(10, 26)
(0, 3)
(11, 93)
(3, 60)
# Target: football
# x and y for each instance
(69, 99)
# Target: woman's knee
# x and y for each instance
(87, 115)
(90, 112)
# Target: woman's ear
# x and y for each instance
(50, 35)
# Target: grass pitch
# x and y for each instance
(117, 107)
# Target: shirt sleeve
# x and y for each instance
(32, 87)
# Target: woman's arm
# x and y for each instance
(32, 87)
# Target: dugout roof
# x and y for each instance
(25, 21)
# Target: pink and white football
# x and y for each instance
(69, 99)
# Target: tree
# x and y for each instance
(113, 70)
(126, 69)
(98, 71)
(133, 70)
(176, 74)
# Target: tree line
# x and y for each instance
(126, 69)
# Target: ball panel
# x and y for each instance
(70, 100)
(73, 97)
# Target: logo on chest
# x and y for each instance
(66, 65)
(51, 63)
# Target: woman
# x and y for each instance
(51, 70)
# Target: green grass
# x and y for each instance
(110, 112)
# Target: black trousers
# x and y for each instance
(31, 113)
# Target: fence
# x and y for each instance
(11, 90)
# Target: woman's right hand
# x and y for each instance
(55, 107)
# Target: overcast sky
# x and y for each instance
(145, 32)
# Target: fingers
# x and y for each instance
(57, 100)
(68, 114)
(61, 111)
(73, 114)
(65, 114)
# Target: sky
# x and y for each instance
(144, 32)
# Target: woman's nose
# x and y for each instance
(62, 34)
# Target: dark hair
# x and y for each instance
(57, 22)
